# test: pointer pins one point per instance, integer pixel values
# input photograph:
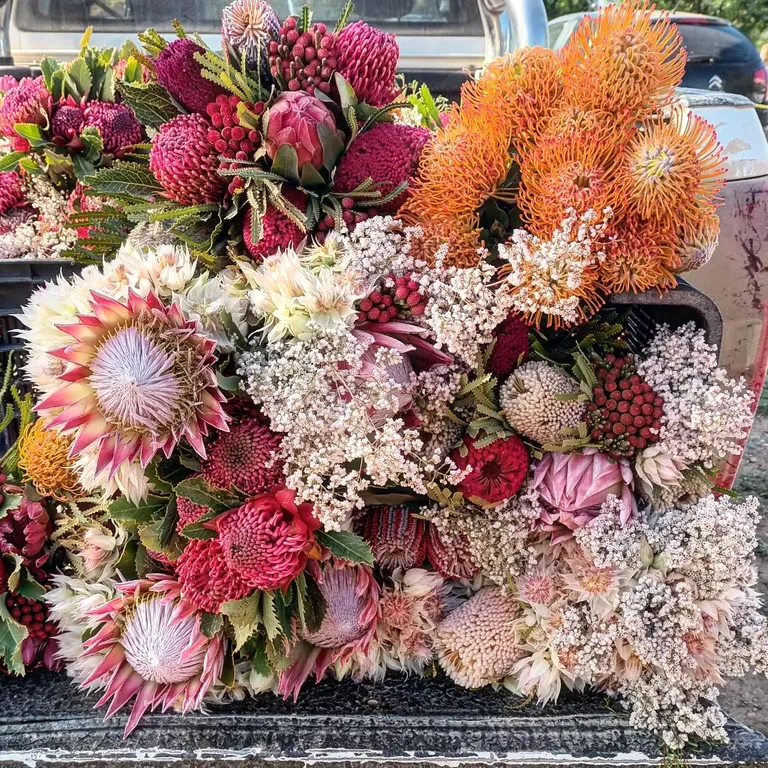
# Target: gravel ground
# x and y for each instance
(747, 699)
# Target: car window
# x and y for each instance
(719, 42)
(560, 31)
(439, 17)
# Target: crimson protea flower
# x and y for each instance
(267, 540)
(351, 596)
(498, 470)
(152, 649)
(141, 378)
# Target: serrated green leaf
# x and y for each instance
(199, 491)
(29, 587)
(259, 661)
(269, 616)
(14, 574)
(12, 635)
(310, 603)
(48, 66)
(210, 624)
(78, 80)
(346, 12)
(346, 545)
(83, 168)
(143, 512)
(126, 178)
(244, 616)
(150, 102)
(168, 524)
(150, 537)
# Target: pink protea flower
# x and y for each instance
(388, 154)
(573, 487)
(141, 378)
(278, 232)
(152, 649)
(117, 125)
(498, 470)
(246, 457)
(24, 531)
(185, 162)
(179, 73)
(478, 643)
(293, 120)
(11, 191)
(397, 538)
(267, 540)
(28, 102)
(450, 556)
(511, 346)
(249, 26)
(351, 596)
(367, 60)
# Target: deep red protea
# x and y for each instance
(511, 347)
(278, 231)
(389, 154)
(498, 470)
(247, 457)
(185, 162)
(397, 538)
(67, 122)
(450, 557)
(36, 650)
(11, 191)
(304, 61)
(267, 540)
(179, 73)
(28, 102)
(24, 531)
(205, 577)
(117, 125)
(367, 60)
(625, 415)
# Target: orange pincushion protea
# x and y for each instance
(581, 171)
(696, 246)
(623, 61)
(567, 119)
(44, 458)
(461, 167)
(675, 167)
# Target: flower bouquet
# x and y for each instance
(341, 392)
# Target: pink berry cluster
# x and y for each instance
(31, 613)
(386, 304)
(305, 60)
(625, 414)
(350, 217)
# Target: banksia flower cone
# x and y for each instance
(249, 26)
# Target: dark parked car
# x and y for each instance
(720, 57)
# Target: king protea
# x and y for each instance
(140, 378)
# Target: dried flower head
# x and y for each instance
(44, 459)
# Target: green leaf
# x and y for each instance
(125, 178)
(127, 565)
(286, 163)
(14, 575)
(310, 605)
(311, 178)
(259, 660)
(143, 563)
(94, 144)
(306, 19)
(345, 545)
(10, 501)
(150, 537)
(199, 491)
(83, 168)
(12, 635)
(10, 161)
(269, 616)
(150, 102)
(333, 146)
(210, 624)
(244, 616)
(124, 509)
(346, 93)
(29, 587)
(346, 12)
(228, 383)
(168, 524)
(48, 66)
(78, 79)
(32, 133)
(196, 530)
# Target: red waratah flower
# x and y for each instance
(189, 512)
(67, 122)
(293, 120)
(278, 231)
(246, 457)
(511, 347)
(367, 60)
(389, 154)
(179, 73)
(498, 470)
(267, 540)
(11, 191)
(117, 125)
(205, 577)
(397, 538)
(24, 531)
(7, 82)
(28, 102)
(450, 556)
(186, 163)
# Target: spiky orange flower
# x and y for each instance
(580, 171)
(44, 459)
(639, 255)
(461, 167)
(570, 118)
(674, 166)
(696, 246)
(622, 60)
(525, 86)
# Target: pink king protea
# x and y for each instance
(152, 649)
(140, 379)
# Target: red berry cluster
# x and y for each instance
(229, 138)
(351, 219)
(386, 304)
(306, 60)
(32, 614)
(625, 415)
